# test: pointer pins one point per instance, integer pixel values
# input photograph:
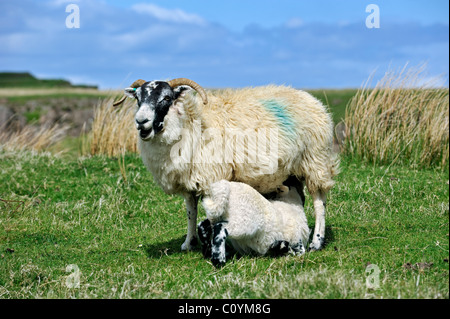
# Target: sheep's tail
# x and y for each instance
(216, 203)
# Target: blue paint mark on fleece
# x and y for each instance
(280, 112)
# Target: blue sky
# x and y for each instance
(306, 44)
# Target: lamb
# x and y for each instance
(252, 223)
(261, 136)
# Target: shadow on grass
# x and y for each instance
(167, 248)
(329, 235)
(173, 246)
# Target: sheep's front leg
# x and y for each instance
(318, 240)
(191, 201)
(218, 252)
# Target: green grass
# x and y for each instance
(33, 116)
(124, 235)
(336, 100)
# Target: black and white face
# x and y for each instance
(154, 100)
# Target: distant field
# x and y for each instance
(27, 80)
(25, 94)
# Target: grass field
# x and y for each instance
(85, 228)
(99, 227)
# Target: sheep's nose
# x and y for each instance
(141, 122)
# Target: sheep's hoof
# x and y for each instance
(189, 244)
(317, 243)
(218, 261)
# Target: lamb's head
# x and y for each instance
(154, 100)
(288, 194)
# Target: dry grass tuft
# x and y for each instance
(113, 131)
(38, 138)
(405, 118)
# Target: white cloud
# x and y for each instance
(169, 15)
(294, 23)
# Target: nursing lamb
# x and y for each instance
(252, 224)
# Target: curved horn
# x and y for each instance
(183, 81)
(136, 84)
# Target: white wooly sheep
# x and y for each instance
(253, 224)
(180, 130)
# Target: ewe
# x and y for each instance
(189, 141)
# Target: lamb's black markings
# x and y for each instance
(218, 251)
(298, 248)
(213, 238)
(283, 247)
(279, 248)
(159, 96)
(204, 230)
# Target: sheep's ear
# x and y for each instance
(130, 92)
(179, 91)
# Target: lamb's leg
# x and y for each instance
(191, 201)
(298, 249)
(218, 252)
(318, 240)
(204, 235)
(279, 248)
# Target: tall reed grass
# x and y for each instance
(403, 119)
(113, 131)
(30, 137)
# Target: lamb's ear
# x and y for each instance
(179, 91)
(130, 92)
(282, 189)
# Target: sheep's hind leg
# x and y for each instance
(191, 201)
(218, 251)
(318, 240)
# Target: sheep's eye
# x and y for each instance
(167, 98)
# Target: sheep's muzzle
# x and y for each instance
(144, 134)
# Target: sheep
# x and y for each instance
(187, 137)
(252, 223)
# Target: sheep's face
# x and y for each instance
(154, 100)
